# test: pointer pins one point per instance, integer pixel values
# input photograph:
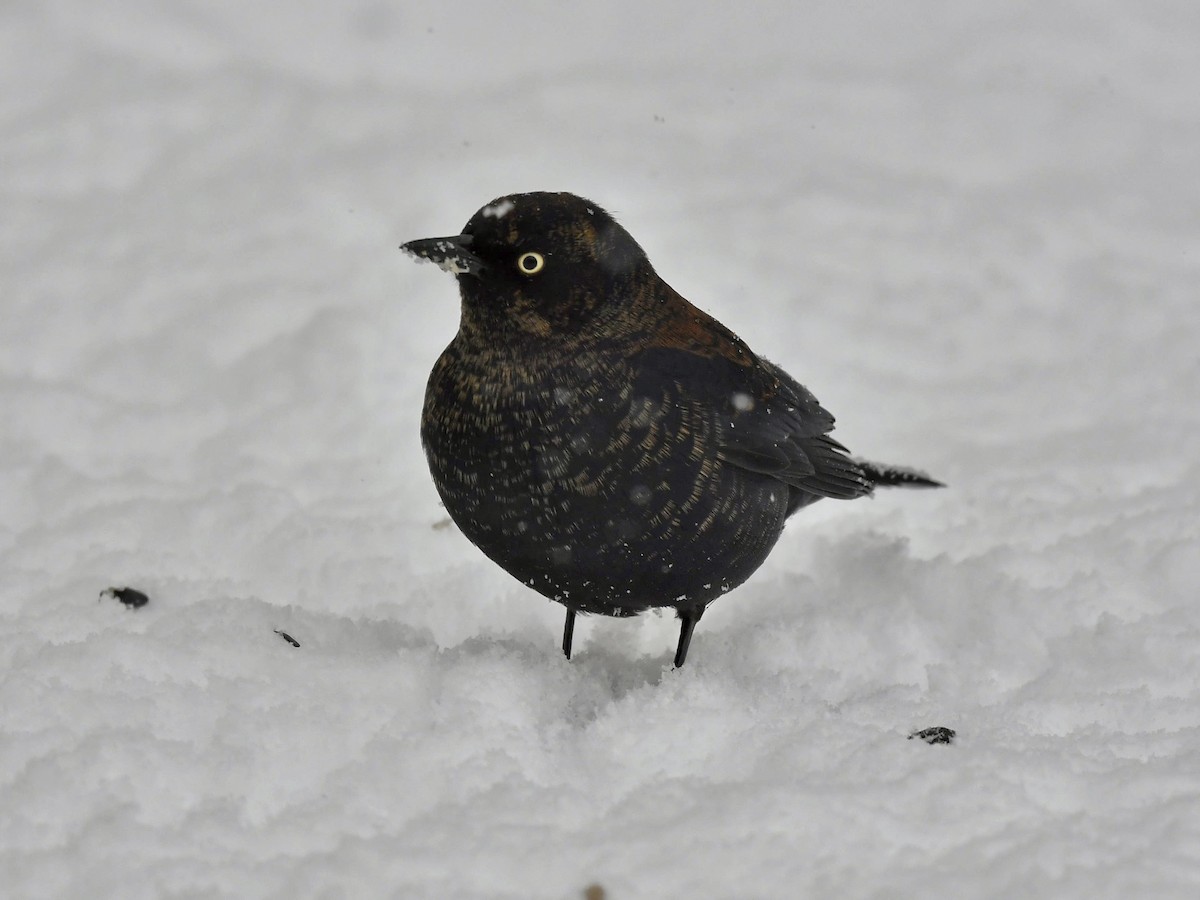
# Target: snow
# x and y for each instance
(499, 210)
(973, 230)
(743, 402)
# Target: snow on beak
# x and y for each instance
(451, 254)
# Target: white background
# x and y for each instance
(972, 229)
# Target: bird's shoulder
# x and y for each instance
(688, 346)
(769, 423)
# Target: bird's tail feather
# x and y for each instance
(897, 476)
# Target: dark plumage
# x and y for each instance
(602, 439)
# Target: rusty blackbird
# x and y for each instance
(603, 440)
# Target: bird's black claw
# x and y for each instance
(568, 632)
(687, 624)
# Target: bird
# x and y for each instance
(600, 438)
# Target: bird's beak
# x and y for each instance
(450, 253)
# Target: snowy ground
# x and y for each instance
(972, 229)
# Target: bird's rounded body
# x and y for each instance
(591, 481)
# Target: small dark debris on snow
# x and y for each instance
(938, 734)
(594, 892)
(131, 597)
(442, 523)
(287, 637)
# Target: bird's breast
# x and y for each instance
(574, 481)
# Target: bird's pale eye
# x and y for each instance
(531, 263)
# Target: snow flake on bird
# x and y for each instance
(498, 210)
(742, 401)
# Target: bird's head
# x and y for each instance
(540, 265)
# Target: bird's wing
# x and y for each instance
(767, 421)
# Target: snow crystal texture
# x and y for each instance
(973, 230)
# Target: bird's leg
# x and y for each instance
(687, 624)
(568, 632)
